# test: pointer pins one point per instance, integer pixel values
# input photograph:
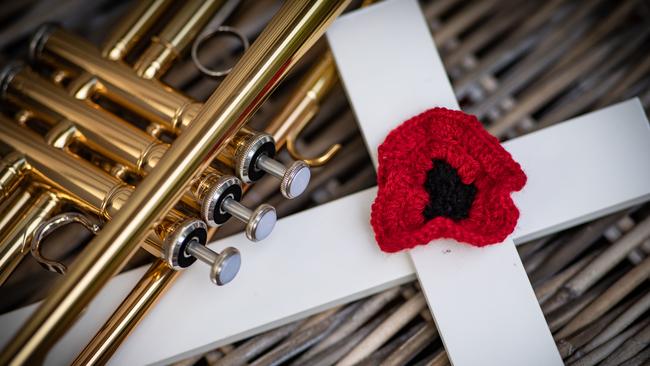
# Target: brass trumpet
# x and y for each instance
(97, 140)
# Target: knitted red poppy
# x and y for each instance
(441, 175)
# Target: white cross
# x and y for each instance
(327, 255)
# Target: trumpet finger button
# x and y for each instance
(261, 223)
(295, 179)
(226, 267)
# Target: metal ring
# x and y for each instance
(51, 225)
(206, 36)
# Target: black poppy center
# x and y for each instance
(448, 195)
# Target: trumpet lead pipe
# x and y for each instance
(158, 278)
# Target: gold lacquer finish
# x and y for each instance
(12, 169)
(116, 81)
(139, 20)
(15, 244)
(79, 181)
(301, 108)
(137, 304)
(98, 129)
(11, 212)
(206, 131)
(175, 37)
(76, 120)
(85, 185)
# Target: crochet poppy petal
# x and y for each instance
(441, 175)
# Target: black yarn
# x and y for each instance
(448, 195)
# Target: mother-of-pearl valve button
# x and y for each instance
(264, 217)
(294, 179)
(222, 202)
(224, 266)
(186, 243)
(255, 158)
(227, 267)
(259, 223)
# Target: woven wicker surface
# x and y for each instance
(517, 65)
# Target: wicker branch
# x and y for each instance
(386, 330)
(599, 266)
(611, 297)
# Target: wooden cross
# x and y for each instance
(327, 255)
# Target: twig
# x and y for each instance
(386, 330)
(212, 357)
(605, 349)
(412, 346)
(440, 359)
(535, 260)
(527, 249)
(367, 310)
(338, 350)
(454, 26)
(435, 8)
(573, 344)
(576, 245)
(640, 359)
(548, 288)
(316, 319)
(599, 266)
(304, 339)
(188, 361)
(519, 42)
(255, 346)
(611, 297)
(563, 315)
(621, 322)
(630, 348)
(379, 355)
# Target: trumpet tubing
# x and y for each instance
(13, 208)
(129, 32)
(100, 130)
(15, 244)
(80, 182)
(175, 37)
(115, 81)
(94, 135)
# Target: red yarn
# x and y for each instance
(404, 159)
